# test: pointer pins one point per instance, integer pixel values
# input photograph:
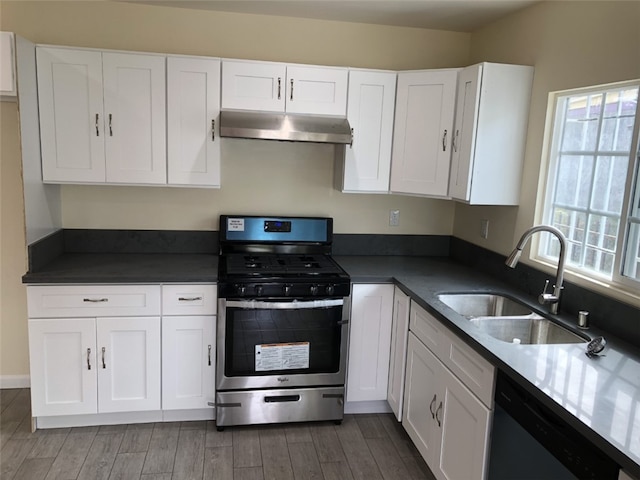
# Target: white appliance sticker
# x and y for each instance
(282, 356)
(235, 224)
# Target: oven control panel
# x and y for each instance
(279, 289)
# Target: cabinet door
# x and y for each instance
(317, 90)
(193, 114)
(421, 399)
(134, 104)
(421, 157)
(464, 422)
(369, 342)
(7, 66)
(469, 82)
(128, 364)
(253, 85)
(370, 110)
(188, 362)
(63, 366)
(398, 357)
(71, 115)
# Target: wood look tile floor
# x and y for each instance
(365, 447)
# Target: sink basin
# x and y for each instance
(472, 305)
(508, 320)
(535, 330)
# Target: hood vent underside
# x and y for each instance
(286, 127)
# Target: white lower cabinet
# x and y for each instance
(94, 365)
(447, 420)
(188, 362)
(369, 342)
(398, 354)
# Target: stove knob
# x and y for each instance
(314, 289)
(242, 289)
(287, 289)
(259, 290)
(329, 289)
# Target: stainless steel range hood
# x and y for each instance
(286, 127)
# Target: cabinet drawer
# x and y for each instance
(189, 299)
(93, 300)
(429, 330)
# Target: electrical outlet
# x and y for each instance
(394, 218)
(484, 228)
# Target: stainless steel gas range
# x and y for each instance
(282, 326)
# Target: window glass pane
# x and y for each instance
(617, 124)
(609, 184)
(581, 123)
(632, 263)
(573, 184)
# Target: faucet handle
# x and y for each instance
(546, 297)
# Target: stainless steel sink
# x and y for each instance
(508, 320)
(535, 330)
(473, 305)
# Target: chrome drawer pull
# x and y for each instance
(438, 419)
(95, 300)
(104, 365)
(433, 402)
(209, 355)
(88, 359)
(189, 299)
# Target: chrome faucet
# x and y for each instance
(512, 261)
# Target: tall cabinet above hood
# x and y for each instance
(285, 127)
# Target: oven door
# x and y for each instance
(281, 343)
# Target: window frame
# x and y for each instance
(547, 183)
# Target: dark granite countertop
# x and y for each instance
(600, 397)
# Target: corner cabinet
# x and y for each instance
(492, 114)
(448, 402)
(278, 87)
(421, 156)
(193, 114)
(366, 164)
(369, 342)
(102, 116)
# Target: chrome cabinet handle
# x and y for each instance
(110, 129)
(95, 300)
(213, 129)
(88, 359)
(97, 119)
(291, 96)
(351, 144)
(279, 87)
(444, 141)
(437, 417)
(455, 141)
(104, 365)
(433, 402)
(209, 356)
(189, 299)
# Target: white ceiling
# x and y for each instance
(453, 15)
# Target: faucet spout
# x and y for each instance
(552, 298)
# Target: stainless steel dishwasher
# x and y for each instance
(530, 442)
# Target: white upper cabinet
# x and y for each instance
(193, 114)
(71, 115)
(102, 116)
(491, 126)
(277, 87)
(8, 87)
(370, 110)
(425, 104)
(135, 109)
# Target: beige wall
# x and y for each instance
(571, 44)
(257, 177)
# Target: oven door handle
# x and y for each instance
(294, 305)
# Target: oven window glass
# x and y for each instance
(285, 340)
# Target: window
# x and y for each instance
(593, 187)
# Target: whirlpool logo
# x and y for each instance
(283, 379)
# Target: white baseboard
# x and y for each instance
(15, 381)
(372, 406)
